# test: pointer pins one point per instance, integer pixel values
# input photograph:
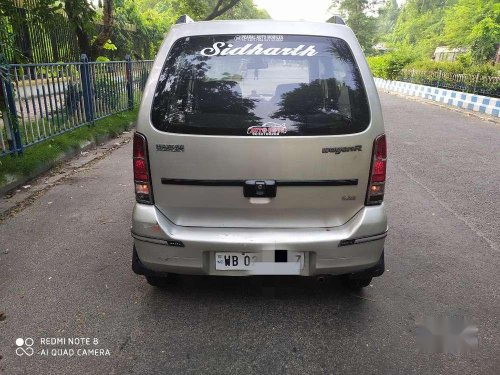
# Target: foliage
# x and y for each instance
(363, 25)
(389, 65)
(420, 24)
(427, 24)
(474, 24)
(453, 67)
(153, 18)
(423, 25)
(484, 39)
(387, 17)
(114, 28)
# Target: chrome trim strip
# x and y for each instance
(149, 239)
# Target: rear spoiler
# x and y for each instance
(336, 19)
(184, 19)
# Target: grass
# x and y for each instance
(34, 157)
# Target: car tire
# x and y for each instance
(160, 281)
(357, 283)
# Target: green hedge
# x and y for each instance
(390, 65)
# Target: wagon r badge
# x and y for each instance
(170, 148)
(338, 150)
(269, 128)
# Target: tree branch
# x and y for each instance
(217, 11)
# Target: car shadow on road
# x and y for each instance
(261, 288)
(265, 303)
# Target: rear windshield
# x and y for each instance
(260, 85)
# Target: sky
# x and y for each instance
(308, 10)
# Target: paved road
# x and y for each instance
(67, 274)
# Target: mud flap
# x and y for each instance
(377, 270)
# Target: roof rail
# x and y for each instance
(184, 19)
(336, 19)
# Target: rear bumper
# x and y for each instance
(355, 246)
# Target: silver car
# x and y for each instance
(260, 150)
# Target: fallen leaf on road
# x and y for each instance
(2, 316)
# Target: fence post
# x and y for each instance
(476, 81)
(10, 114)
(439, 78)
(130, 86)
(86, 78)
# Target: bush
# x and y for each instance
(389, 65)
(461, 66)
(102, 59)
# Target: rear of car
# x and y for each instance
(260, 149)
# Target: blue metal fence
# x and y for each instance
(40, 101)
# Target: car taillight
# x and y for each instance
(376, 184)
(142, 178)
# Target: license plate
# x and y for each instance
(256, 263)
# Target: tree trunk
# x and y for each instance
(105, 34)
(81, 35)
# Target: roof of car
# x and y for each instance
(260, 27)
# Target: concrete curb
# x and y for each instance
(462, 111)
(18, 180)
(482, 104)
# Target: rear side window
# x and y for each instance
(260, 85)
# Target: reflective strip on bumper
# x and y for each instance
(354, 241)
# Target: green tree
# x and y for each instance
(420, 24)
(387, 17)
(363, 25)
(474, 24)
(153, 18)
(82, 16)
(113, 28)
(224, 9)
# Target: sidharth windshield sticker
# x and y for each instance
(252, 49)
(269, 128)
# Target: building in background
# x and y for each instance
(447, 54)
